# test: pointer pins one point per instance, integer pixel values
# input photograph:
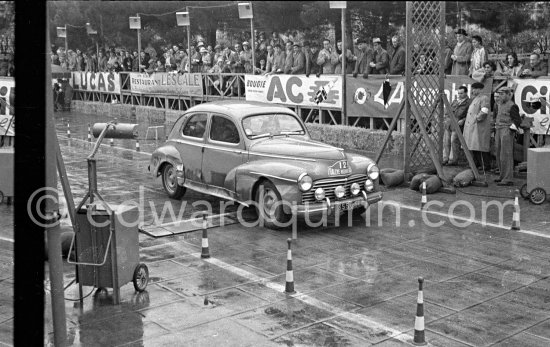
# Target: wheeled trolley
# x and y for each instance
(106, 239)
(538, 180)
(6, 174)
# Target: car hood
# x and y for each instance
(293, 147)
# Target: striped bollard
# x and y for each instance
(205, 253)
(419, 338)
(424, 199)
(89, 133)
(112, 142)
(68, 130)
(137, 145)
(515, 216)
(289, 288)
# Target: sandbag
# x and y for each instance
(464, 178)
(392, 178)
(417, 180)
(433, 183)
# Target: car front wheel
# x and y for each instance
(270, 207)
(170, 182)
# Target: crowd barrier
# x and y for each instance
(365, 103)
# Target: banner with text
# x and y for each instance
(107, 82)
(167, 83)
(526, 88)
(365, 97)
(295, 90)
(7, 96)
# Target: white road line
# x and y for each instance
(6, 239)
(353, 317)
(464, 219)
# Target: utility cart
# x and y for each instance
(106, 239)
(538, 180)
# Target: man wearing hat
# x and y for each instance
(381, 60)
(298, 60)
(477, 127)
(363, 59)
(507, 115)
(462, 54)
(246, 57)
(205, 60)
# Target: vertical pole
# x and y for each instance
(441, 110)
(52, 214)
(408, 79)
(188, 52)
(66, 42)
(139, 45)
(344, 115)
(252, 43)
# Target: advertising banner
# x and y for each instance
(525, 89)
(7, 96)
(166, 83)
(107, 82)
(365, 97)
(295, 90)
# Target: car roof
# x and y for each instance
(239, 108)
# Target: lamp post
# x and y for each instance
(245, 12)
(182, 19)
(91, 31)
(62, 33)
(135, 23)
(342, 5)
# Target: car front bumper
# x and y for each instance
(329, 207)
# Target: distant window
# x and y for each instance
(224, 130)
(195, 126)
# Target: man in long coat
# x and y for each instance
(462, 54)
(477, 128)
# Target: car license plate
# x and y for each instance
(350, 205)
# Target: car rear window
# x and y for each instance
(195, 126)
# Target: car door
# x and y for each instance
(190, 144)
(224, 150)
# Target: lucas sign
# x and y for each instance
(294, 90)
(106, 82)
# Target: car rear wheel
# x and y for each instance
(269, 206)
(170, 182)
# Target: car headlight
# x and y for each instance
(355, 188)
(373, 171)
(369, 186)
(339, 192)
(305, 182)
(319, 194)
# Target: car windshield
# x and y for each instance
(271, 125)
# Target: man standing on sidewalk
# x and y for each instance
(477, 128)
(451, 145)
(507, 115)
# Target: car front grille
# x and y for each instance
(330, 184)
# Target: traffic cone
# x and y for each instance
(89, 134)
(112, 142)
(289, 288)
(424, 200)
(419, 339)
(137, 145)
(68, 130)
(205, 253)
(515, 216)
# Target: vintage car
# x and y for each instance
(256, 152)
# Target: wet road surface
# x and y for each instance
(356, 285)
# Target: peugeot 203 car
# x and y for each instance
(256, 152)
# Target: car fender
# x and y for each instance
(359, 162)
(162, 155)
(283, 175)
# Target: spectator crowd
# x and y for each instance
(7, 66)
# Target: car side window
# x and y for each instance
(223, 130)
(195, 126)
